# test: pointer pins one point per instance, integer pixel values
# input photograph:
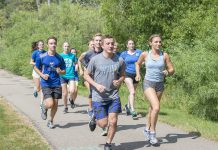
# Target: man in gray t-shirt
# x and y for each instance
(105, 73)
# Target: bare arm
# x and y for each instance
(80, 63)
(44, 76)
(169, 65)
(59, 71)
(88, 78)
(138, 65)
(32, 62)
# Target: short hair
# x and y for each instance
(97, 34)
(52, 37)
(106, 37)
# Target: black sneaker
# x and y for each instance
(66, 110)
(43, 112)
(92, 124)
(107, 146)
(127, 110)
(72, 104)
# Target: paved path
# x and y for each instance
(71, 130)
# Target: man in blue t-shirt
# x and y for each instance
(49, 65)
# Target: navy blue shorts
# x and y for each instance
(132, 76)
(65, 80)
(102, 109)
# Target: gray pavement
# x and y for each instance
(71, 130)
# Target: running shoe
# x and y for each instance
(134, 115)
(92, 124)
(147, 134)
(104, 131)
(127, 110)
(43, 112)
(35, 94)
(153, 139)
(72, 104)
(50, 124)
(66, 110)
(107, 146)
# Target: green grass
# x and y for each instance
(16, 132)
(171, 116)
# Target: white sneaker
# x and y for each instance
(147, 134)
(153, 139)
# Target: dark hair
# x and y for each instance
(73, 48)
(37, 44)
(34, 46)
(129, 40)
(52, 37)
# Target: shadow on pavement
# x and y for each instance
(173, 137)
(131, 145)
(77, 105)
(126, 127)
(68, 125)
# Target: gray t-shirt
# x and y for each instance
(104, 71)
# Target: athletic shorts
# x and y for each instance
(158, 86)
(102, 109)
(52, 92)
(35, 75)
(65, 80)
(132, 76)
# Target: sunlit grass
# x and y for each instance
(16, 132)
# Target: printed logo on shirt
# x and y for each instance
(51, 66)
(68, 62)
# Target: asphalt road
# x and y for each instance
(71, 130)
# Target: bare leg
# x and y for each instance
(130, 86)
(64, 94)
(155, 107)
(54, 109)
(112, 119)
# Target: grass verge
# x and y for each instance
(16, 132)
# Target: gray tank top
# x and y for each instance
(154, 68)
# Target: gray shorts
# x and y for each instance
(52, 92)
(158, 86)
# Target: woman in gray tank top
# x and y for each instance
(158, 66)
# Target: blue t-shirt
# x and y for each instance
(36, 54)
(48, 64)
(70, 61)
(130, 60)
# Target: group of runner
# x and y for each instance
(104, 69)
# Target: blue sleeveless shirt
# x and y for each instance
(154, 68)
